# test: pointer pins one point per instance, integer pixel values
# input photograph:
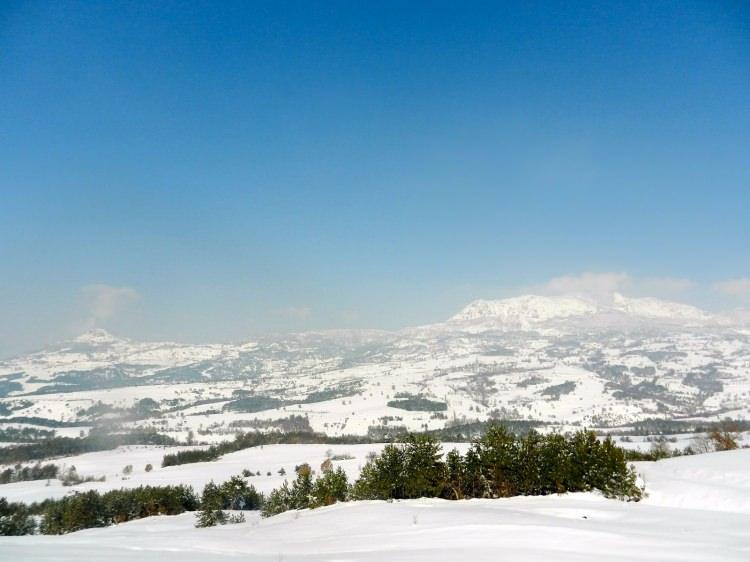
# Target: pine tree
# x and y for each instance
(424, 470)
(278, 501)
(302, 487)
(210, 517)
(330, 488)
(455, 476)
(383, 477)
(497, 454)
(211, 513)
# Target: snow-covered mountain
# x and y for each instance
(525, 310)
(553, 359)
(657, 308)
(96, 336)
(532, 309)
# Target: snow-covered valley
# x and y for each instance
(558, 360)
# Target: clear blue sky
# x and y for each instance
(217, 170)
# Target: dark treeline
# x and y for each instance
(499, 464)
(46, 422)
(67, 446)
(459, 433)
(456, 434)
(24, 473)
(92, 509)
(721, 436)
(255, 439)
(655, 426)
(656, 454)
(463, 432)
(24, 434)
(84, 510)
(17, 518)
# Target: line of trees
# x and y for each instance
(21, 473)
(24, 434)
(69, 446)
(499, 464)
(723, 436)
(84, 510)
(92, 509)
(255, 439)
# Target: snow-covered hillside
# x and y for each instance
(697, 509)
(560, 360)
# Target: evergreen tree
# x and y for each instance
(210, 517)
(476, 484)
(235, 494)
(424, 470)
(497, 452)
(73, 513)
(382, 477)
(211, 512)
(278, 501)
(302, 487)
(15, 519)
(330, 488)
(455, 476)
(555, 461)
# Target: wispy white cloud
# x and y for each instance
(600, 286)
(103, 302)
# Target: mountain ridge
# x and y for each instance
(532, 309)
(548, 359)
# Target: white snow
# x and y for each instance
(697, 509)
(716, 481)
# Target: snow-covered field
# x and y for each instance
(270, 458)
(697, 508)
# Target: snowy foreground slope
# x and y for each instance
(519, 529)
(698, 508)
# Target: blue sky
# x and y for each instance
(204, 171)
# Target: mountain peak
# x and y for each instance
(96, 336)
(656, 308)
(526, 309)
